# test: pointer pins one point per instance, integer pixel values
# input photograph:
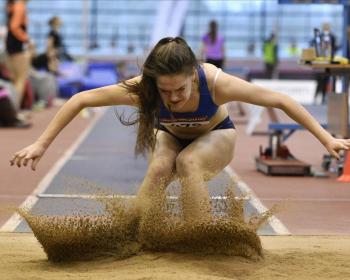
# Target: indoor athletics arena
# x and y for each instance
(174, 139)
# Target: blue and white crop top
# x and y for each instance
(206, 108)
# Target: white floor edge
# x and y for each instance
(274, 222)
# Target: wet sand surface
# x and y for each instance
(286, 257)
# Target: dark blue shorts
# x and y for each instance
(225, 124)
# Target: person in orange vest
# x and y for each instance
(17, 41)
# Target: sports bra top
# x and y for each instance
(205, 111)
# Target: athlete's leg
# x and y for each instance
(198, 162)
(160, 172)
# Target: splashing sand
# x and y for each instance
(121, 232)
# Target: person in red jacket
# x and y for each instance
(16, 45)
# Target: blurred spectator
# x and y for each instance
(270, 52)
(43, 77)
(17, 41)
(55, 40)
(328, 41)
(3, 34)
(8, 114)
(325, 44)
(316, 42)
(251, 49)
(130, 48)
(293, 50)
(5, 82)
(47, 61)
(213, 46)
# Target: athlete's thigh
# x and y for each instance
(166, 148)
(213, 151)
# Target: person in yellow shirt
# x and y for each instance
(270, 54)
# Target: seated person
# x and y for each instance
(44, 83)
(8, 114)
(47, 61)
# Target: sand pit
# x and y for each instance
(123, 231)
(159, 244)
(286, 257)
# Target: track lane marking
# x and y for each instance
(274, 222)
(11, 224)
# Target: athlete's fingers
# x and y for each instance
(335, 154)
(347, 143)
(14, 157)
(19, 160)
(12, 160)
(25, 161)
(345, 147)
(34, 163)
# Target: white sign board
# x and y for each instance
(302, 91)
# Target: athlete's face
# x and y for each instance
(175, 90)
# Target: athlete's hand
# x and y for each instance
(334, 146)
(32, 153)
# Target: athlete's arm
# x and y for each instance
(105, 96)
(229, 88)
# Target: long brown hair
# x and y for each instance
(170, 56)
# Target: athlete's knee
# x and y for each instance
(160, 169)
(186, 164)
